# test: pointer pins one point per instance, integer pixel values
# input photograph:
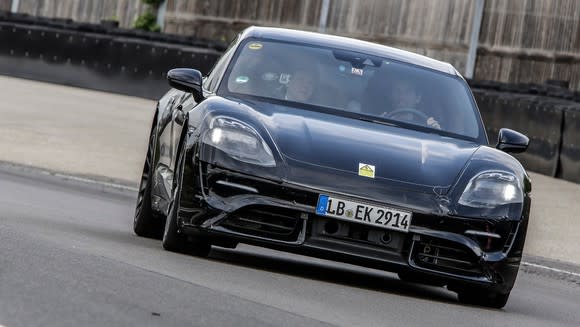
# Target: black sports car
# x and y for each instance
(340, 149)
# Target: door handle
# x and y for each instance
(179, 115)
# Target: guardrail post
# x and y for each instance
(474, 40)
(15, 6)
(161, 15)
(323, 16)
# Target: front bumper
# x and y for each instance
(231, 207)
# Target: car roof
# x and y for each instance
(346, 43)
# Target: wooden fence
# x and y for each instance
(5, 4)
(520, 40)
(440, 31)
(125, 11)
(530, 41)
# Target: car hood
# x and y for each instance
(317, 142)
(324, 151)
(395, 153)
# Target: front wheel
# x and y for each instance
(173, 240)
(145, 223)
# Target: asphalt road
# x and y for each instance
(69, 258)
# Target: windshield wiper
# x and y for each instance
(382, 122)
(404, 125)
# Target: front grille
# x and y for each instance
(445, 256)
(357, 233)
(265, 221)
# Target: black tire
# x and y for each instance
(483, 298)
(173, 240)
(145, 222)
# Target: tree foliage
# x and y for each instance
(147, 22)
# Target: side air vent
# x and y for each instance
(444, 256)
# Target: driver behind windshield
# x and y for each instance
(301, 86)
(406, 101)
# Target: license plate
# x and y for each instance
(363, 213)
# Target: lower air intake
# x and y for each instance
(271, 222)
(444, 256)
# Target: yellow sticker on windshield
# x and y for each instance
(255, 46)
(366, 170)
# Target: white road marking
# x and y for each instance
(551, 269)
(94, 182)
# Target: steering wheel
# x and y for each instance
(415, 112)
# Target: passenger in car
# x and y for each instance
(301, 86)
(406, 100)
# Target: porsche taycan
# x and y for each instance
(340, 149)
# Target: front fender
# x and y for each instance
(199, 123)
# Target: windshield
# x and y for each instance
(354, 82)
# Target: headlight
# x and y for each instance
(491, 189)
(239, 140)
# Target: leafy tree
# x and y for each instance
(148, 20)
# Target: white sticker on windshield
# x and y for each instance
(357, 71)
(284, 78)
(269, 76)
(242, 79)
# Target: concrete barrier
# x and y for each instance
(113, 60)
(570, 150)
(550, 123)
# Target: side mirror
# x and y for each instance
(511, 141)
(187, 80)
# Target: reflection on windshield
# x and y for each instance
(354, 82)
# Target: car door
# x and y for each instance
(165, 125)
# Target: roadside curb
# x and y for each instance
(94, 181)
